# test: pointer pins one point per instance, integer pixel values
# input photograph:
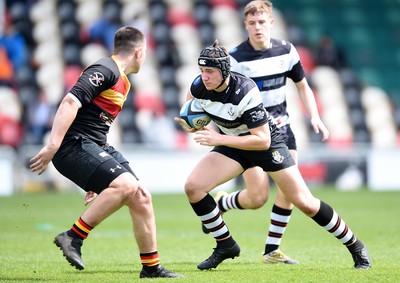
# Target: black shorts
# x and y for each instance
(274, 159)
(288, 137)
(90, 166)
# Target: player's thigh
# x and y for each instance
(294, 155)
(256, 181)
(292, 185)
(213, 170)
(281, 199)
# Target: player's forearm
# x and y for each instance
(249, 142)
(308, 100)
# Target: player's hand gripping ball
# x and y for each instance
(194, 115)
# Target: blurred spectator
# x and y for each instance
(13, 52)
(327, 54)
(10, 131)
(307, 59)
(6, 68)
(14, 43)
(40, 117)
(10, 116)
(156, 129)
(298, 39)
(71, 75)
(103, 30)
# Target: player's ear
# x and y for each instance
(271, 21)
(138, 52)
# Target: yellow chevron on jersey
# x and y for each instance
(117, 95)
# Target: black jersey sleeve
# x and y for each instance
(255, 117)
(297, 73)
(94, 79)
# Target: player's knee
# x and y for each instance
(143, 195)
(308, 209)
(194, 187)
(259, 200)
(125, 186)
(127, 191)
(190, 187)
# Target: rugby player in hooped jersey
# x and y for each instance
(270, 63)
(247, 138)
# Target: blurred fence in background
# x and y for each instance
(165, 170)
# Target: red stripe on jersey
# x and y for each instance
(107, 105)
(112, 100)
(122, 86)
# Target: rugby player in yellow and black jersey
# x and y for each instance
(102, 89)
(79, 151)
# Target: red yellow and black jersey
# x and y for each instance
(101, 90)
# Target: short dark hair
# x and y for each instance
(126, 38)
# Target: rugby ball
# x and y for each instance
(194, 115)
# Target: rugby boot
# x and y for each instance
(71, 248)
(278, 256)
(218, 256)
(160, 272)
(361, 259)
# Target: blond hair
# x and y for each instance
(258, 6)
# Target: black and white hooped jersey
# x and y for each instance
(100, 91)
(235, 110)
(269, 69)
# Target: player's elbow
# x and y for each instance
(265, 143)
(268, 143)
(262, 145)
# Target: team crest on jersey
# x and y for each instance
(96, 79)
(277, 158)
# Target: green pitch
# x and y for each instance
(29, 223)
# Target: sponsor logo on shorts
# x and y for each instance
(277, 158)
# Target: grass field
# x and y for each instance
(29, 223)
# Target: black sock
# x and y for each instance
(356, 247)
(72, 234)
(227, 243)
